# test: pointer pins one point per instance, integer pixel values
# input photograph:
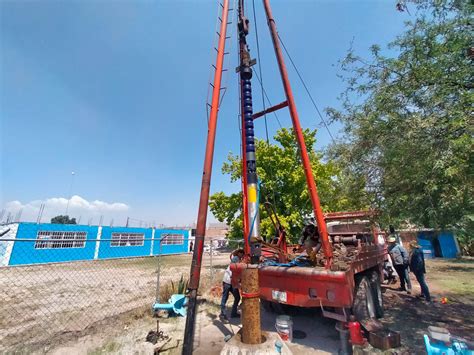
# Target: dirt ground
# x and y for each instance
(43, 305)
(107, 309)
(411, 316)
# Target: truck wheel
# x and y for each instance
(267, 305)
(274, 307)
(377, 293)
(364, 307)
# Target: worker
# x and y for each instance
(417, 266)
(394, 234)
(227, 288)
(310, 241)
(399, 257)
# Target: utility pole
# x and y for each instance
(70, 192)
(312, 189)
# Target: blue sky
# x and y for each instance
(116, 90)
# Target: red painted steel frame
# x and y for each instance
(313, 192)
(334, 216)
(313, 287)
(205, 187)
(270, 110)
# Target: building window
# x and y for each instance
(60, 240)
(127, 239)
(172, 239)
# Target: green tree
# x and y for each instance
(408, 119)
(283, 184)
(63, 220)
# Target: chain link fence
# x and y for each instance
(57, 282)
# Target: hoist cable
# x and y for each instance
(269, 102)
(306, 88)
(259, 62)
(260, 80)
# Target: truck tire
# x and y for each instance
(274, 307)
(363, 307)
(377, 293)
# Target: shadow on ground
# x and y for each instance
(412, 317)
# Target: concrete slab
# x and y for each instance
(272, 345)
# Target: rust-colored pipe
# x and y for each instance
(313, 192)
(270, 110)
(205, 187)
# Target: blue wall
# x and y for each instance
(25, 252)
(108, 251)
(448, 245)
(425, 241)
(170, 249)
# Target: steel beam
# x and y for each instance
(313, 192)
(195, 272)
(270, 109)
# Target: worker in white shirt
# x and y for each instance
(227, 288)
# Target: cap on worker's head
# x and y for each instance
(392, 240)
(414, 244)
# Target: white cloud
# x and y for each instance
(78, 208)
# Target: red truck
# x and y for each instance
(350, 286)
(345, 276)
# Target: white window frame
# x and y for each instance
(172, 239)
(60, 239)
(124, 239)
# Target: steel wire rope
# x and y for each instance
(306, 88)
(259, 62)
(260, 80)
(269, 102)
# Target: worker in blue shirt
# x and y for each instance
(400, 260)
(417, 266)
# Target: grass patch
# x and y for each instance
(452, 276)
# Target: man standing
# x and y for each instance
(417, 266)
(227, 288)
(399, 257)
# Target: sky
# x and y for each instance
(115, 91)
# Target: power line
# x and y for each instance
(306, 88)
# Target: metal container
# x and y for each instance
(437, 333)
(384, 339)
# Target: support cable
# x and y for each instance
(260, 80)
(259, 62)
(306, 88)
(268, 100)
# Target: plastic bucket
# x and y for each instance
(284, 327)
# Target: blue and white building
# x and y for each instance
(32, 243)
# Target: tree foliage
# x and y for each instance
(283, 184)
(408, 119)
(63, 220)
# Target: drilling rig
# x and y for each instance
(342, 277)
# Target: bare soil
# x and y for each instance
(44, 305)
(450, 278)
(88, 308)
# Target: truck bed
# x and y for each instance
(314, 286)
